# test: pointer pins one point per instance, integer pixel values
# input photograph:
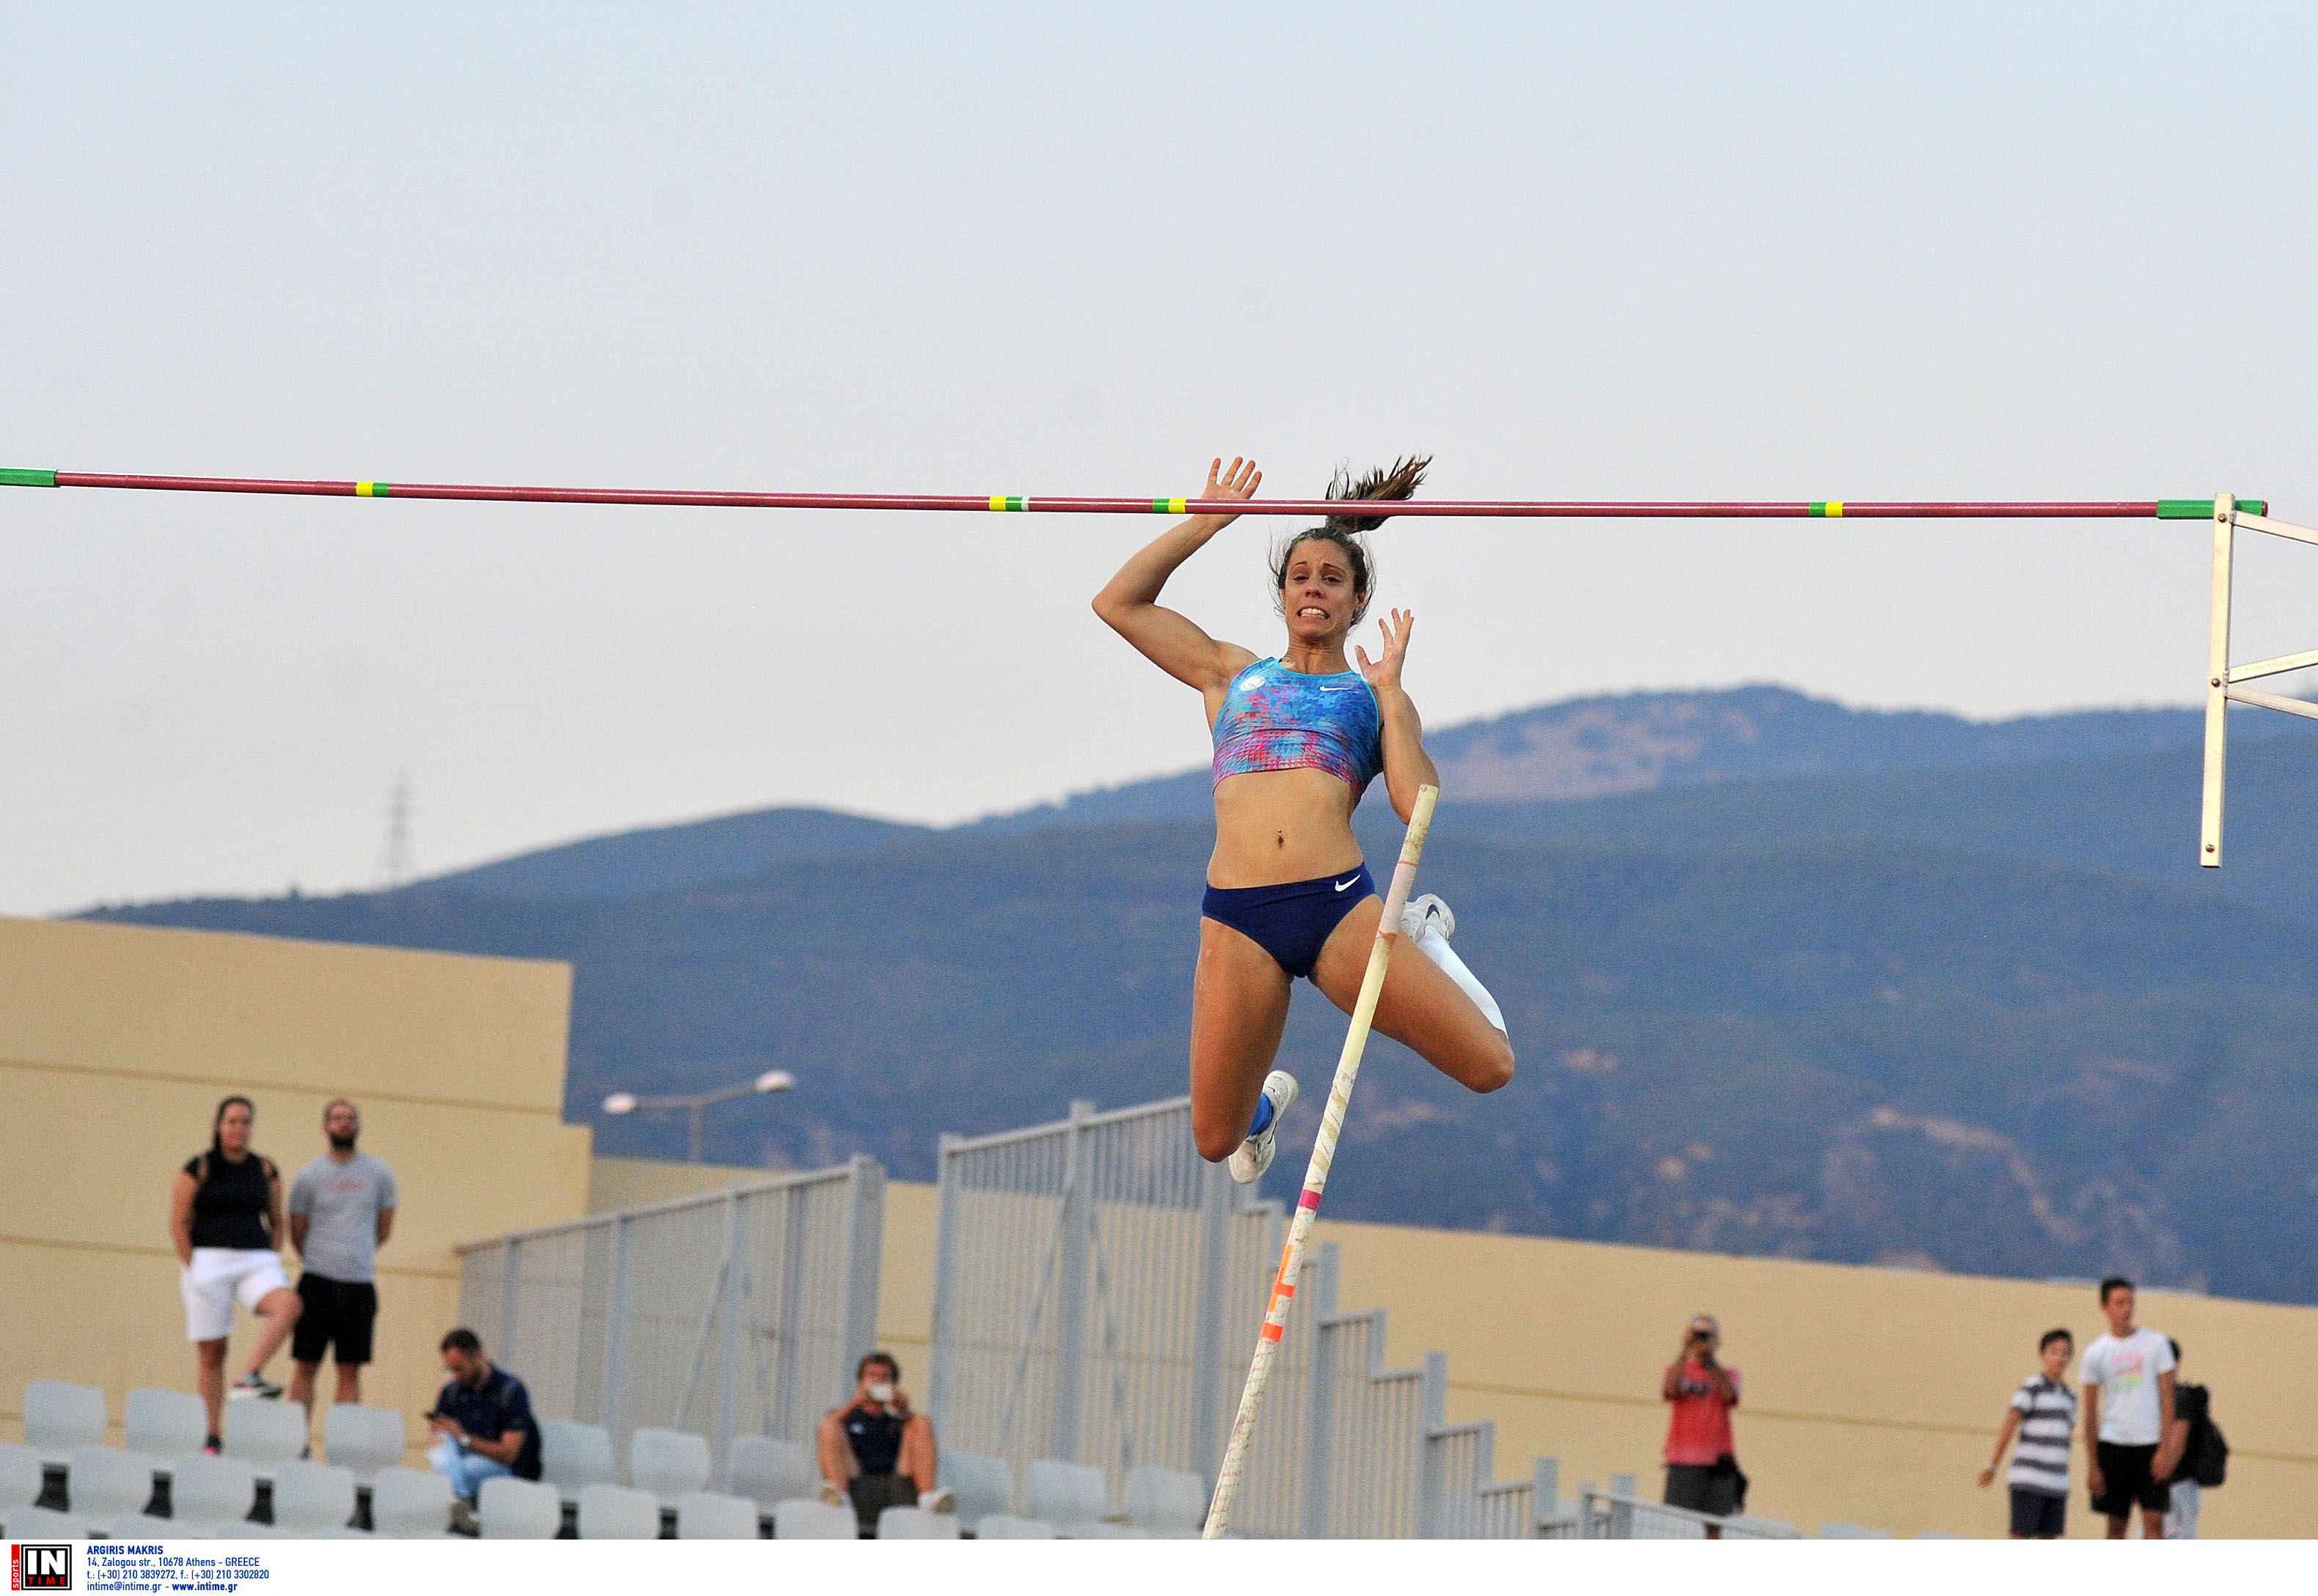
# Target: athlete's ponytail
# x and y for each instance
(1347, 532)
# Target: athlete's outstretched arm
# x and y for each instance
(1130, 603)
(1406, 766)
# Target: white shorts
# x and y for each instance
(215, 1278)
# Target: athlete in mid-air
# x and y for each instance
(1298, 739)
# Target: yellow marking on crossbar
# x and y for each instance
(1835, 506)
(365, 491)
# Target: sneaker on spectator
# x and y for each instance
(941, 1498)
(833, 1497)
(254, 1384)
(213, 1446)
(462, 1518)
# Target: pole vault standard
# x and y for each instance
(1315, 1173)
(2139, 509)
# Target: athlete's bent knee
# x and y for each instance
(1217, 1145)
(1496, 1070)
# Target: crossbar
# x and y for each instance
(2143, 509)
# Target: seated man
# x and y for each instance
(481, 1422)
(877, 1452)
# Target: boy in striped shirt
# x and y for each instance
(2043, 1412)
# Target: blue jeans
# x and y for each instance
(466, 1471)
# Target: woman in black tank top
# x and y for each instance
(225, 1219)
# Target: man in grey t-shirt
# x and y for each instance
(341, 1212)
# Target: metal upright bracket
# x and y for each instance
(2221, 677)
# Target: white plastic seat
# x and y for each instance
(59, 1415)
(167, 1426)
(809, 1519)
(308, 1497)
(1007, 1526)
(616, 1512)
(769, 1470)
(509, 1509)
(983, 1486)
(409, 1504)
(363, 1439)
(1068, 1495)
(1168, 1502)
(102, 1483)
(574, 1457)
(41, 1523)
(144, 1527)
(704, 1515)
(1841, 1531)
(266, 1434)
(668, 1463)
(915, 1523)
(207, 1494)
(21, 1478)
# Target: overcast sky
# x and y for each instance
(1714, 252)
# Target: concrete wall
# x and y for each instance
(1872, 1395)
(116, 1044)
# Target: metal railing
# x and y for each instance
(740, 1312)
(1096, 1294)
(1621, 1514)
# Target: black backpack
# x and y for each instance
(2206, 1458)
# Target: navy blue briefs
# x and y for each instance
(1293, 921)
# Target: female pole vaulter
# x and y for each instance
(1298, 739)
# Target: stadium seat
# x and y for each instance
(144, 1527)
(265, 1434)
(1167, 1502)
(982, 1486)
(704, 1515)
(102, 1483)
(1068, 1495)
(768, 1471)
(509, 1509)
(59, 1415)
(810, 1519)
(409, 1504)
(1007, 1526)
(21, 1478)
(668, 1463)
(363, 1439)
(310, 1497)
(209, 1493)
(1840, 1531)
(167, 1426)
(915, 1523)
(574, 1456)
(39, 1523)
(616, 1512)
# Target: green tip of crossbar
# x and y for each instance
(2202, 509)
(10, 477)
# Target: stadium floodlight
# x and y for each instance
(696, 1104)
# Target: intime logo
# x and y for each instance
(40, 1568)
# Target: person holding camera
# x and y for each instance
(1700, 1458)
(876, 1453)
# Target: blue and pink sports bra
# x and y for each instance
(1278, 718)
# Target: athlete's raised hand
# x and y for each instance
(1239, 480)
(1384, 671)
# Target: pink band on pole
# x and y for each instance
(1310, 1199)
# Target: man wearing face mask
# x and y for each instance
(876, 1453)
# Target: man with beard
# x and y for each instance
(341, 1212)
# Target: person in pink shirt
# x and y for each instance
(1700, 1458)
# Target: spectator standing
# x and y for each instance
(2129, 1431)
(1702, 1459)
(876, 1453)
(341, 1213)
(481, 1421)
(2043, 1412)
(225, 1222)
(2199, 1445)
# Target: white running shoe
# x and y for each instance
(1414, 916)
(941, 1498)
(1255, 1154)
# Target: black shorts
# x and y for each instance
(1703, 1489)
(2038, 1515)
(2125, 1472)
(873, 1494)
(334, 1312)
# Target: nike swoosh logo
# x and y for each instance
(1343, 884)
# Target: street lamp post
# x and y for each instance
(697, 1104)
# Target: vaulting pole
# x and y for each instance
(2143, 509)
(1315, 1173)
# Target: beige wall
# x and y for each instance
(1872, 1395)
(116, 1044)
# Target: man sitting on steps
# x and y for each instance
(877, 1453)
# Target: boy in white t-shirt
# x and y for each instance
(2127, 1376)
